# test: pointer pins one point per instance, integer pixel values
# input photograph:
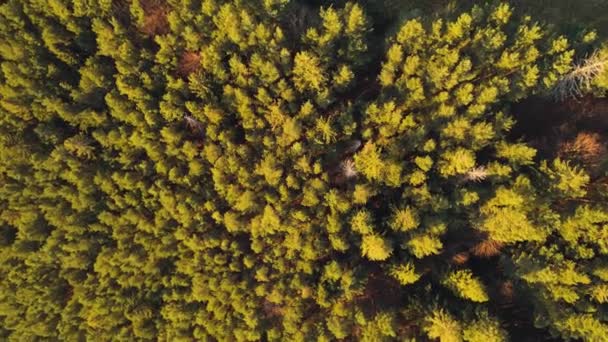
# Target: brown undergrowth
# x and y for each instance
(189, 62)
(155, 17)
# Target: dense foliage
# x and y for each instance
(187, 170)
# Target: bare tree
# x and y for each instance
(348, 168)
(194, 125)
(476, 174)
(579, 80)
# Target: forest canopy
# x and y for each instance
(276, 170)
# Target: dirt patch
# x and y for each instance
(550, 126)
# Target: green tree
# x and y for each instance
(280, 170)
